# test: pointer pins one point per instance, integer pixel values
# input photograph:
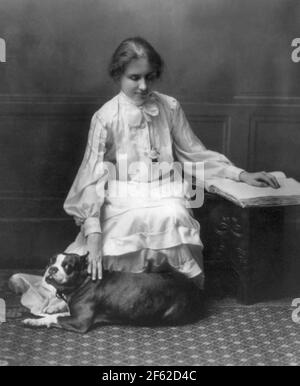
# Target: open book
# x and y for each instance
(245, 195)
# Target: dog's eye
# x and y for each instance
(68, 268)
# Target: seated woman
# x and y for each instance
(144, 229)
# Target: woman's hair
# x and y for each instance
(130, 49)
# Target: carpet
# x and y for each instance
(230, 334)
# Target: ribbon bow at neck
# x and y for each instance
(136, 114)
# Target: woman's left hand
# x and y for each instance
(261, 179)
(94, 246)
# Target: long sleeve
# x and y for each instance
(188, 148)
(86, 195)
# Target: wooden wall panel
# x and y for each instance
(275, 143)
(42, 141)
(29, 242)
(213, 130)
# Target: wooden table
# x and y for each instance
(242, 253)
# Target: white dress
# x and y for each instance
(118, 192)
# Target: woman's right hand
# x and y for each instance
(94, 246)
(261, 179)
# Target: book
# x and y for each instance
(246, 195)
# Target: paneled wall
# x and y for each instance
(227, 61)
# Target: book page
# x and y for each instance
(243, 191)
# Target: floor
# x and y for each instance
(230, 334)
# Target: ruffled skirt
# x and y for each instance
(148, 233)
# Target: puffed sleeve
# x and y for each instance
(188, 148)
(86, 195)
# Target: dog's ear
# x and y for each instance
(84, 260)
(52, 260)
(84, 257)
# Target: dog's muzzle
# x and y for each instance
(54, 275)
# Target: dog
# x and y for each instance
(142, 299)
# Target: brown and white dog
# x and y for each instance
(119, 297)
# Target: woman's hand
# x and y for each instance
(94, 246)
(261, 179)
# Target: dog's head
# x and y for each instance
(66, 270)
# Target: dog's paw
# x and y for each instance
(47, 321)
(55, 309)
(33, 322)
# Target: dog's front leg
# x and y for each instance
(56, 306)
(80, 319)
(47, 321)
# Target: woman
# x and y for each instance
(130, 137)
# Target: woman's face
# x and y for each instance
(137, 80)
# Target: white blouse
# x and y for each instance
(123, 134)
